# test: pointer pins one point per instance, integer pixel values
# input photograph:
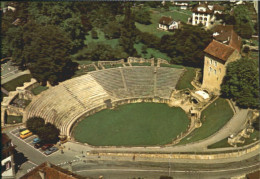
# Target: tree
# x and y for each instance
(100, 51)
(128, 34)
(243, 23)
(241, 83)
(112, 30)
(94, 34)
(144, 49)
(34, 123)
(189, 50)
(44, 50)
(49, 133)
(143, 16)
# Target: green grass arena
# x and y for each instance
(139, 124)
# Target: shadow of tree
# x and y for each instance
(19, 159)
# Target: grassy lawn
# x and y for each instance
(85, 62)
(11, 85)
(141, 64)
(101, 38)
(151, 52)
(113, 66)
(14, 119)
(185, 80)
(140, 124)
(221, 144)
(253, 137)
(214, 121)
(156, 14)
(37, 90)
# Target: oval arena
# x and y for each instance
(64, 104)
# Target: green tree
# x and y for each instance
(143, 16)
(128, 34)
(94, 34)
(243, 23)
(144, 49)
(100, 51)
(189, 50)
(34, 123)
(44, 50)
(112, 30)
(49, 133)
(241, 83)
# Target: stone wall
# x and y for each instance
(140, 60)
(21, 92)
(110, 62)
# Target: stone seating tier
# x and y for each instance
(63, 104)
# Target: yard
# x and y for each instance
(11, 85)
(37, 90)
(213, 122)
(157, 13)
(185, 81)
(13, 119)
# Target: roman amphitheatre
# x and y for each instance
(131, 106)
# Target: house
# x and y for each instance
(217, 56)
(48, 170)
(226, 35)
(7, 159)
(205, 14)
(167, 23)
(182, 4)
(225, 48)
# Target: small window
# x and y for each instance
(215, 72)
(219, 70)
(210, 69)
(216, 63)
(211, 61)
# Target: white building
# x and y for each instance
(204, 14)
(167, 23)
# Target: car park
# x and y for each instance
(36, 140)
(22, 129)
(51, 150)
(38, 145)
(46, 146)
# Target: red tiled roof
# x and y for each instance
(51, 171)
(226, 33)
(235, 41)
(165, 20)
(254, 175)
(219, 50)
(5, 138)
(218, 7)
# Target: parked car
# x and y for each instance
(22, 129)
(26, 133)
(51, 150)
(36, 140)
(46, 146)
(38, 145)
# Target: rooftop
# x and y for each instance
(165, 20)
(219, 50)
(49, 170)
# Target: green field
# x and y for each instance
(156, 14)
(11, 85)
(185, 81)
(151, 52)
(141, 124)
(216, 115)
(37, 90)
(14, 119)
